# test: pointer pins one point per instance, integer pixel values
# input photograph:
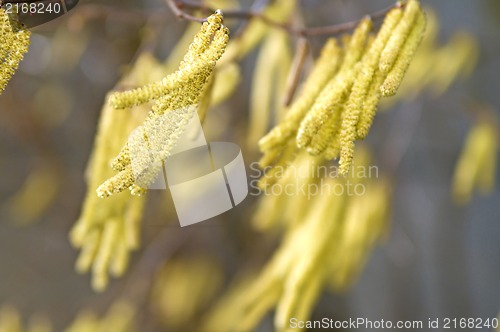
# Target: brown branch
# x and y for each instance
(302, 50)
(344, 27)
(178, 7)
(172, 4)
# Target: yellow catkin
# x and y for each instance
(396, 74)
(155, 135)
(308, 173)
(357, 43)
(39, 323)
(206, 97)
(90, 215)
(132, 221)
(184, 286)
(270, 157)
(347, 137)
(269, 213)
(27, 204)
(332, 95)
(264, 86)
(486, 179)
(88, 232)
(289, 279)
(353, 228)
(314, 239)
(192, 85)
(155, 90)
(104, 255)
(354, 106)
(435, 67)
(120, 162)
(178, 52)
(88, 252)
(119, 259)
(10, 320)
(372, 57)
(327, 139)
(476, 165)
(119, 318)
(14, 44)
(335, 90)
(288, 207)
(399, 36)
(202, 39)
(325, 68)
(369, 107)
(286, 156)
(176, 107)
(364, 223)
(111, 133)
(332, 150)
(328, 133)
(303, 307)
(84, 321)
(116, 184)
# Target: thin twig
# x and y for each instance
(181, 14)
(293, 79)
(343, 27)
(177, 7)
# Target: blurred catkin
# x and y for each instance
(329, 242)
(108, 230)
(27, 205)
(269, 79)
(476, 167)
(183, 288)
(119, 318)
(10, 321)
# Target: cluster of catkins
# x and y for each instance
(177, 92)
(339, 99)
(328, 236)
(13, 45)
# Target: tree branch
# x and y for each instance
(178, 7)
(302, 50)
(181, 14)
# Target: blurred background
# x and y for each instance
(439, 260)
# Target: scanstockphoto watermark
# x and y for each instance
(311, 181)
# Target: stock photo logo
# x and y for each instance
(36, 12)
(205, 179)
